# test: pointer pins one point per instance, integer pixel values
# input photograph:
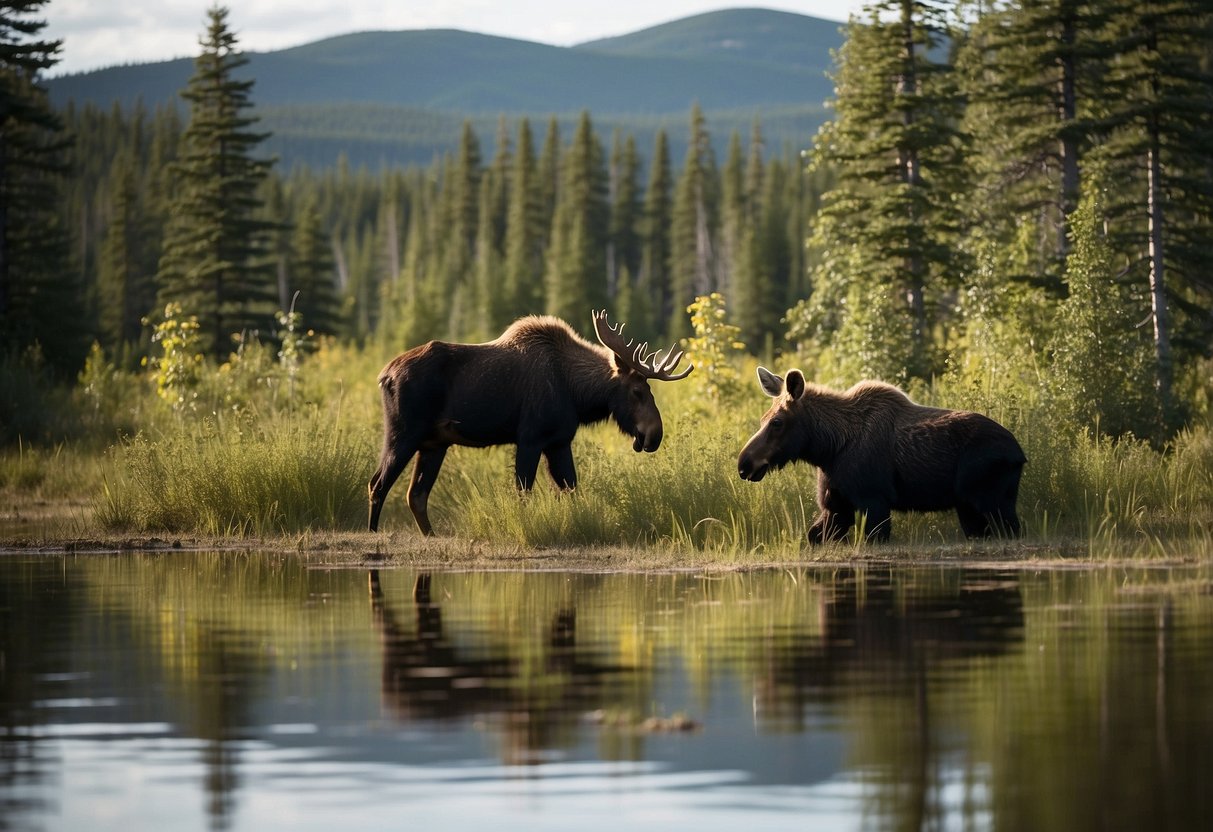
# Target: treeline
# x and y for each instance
(1028, 187)
(550, 223)
(1026, 190)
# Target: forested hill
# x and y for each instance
(351, 91)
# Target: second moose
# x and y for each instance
(532, 387)
(877, 452)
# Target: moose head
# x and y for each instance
(631, 403)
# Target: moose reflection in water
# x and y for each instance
(217, 686)
(876, 636)
(532, 387)
(427, 676)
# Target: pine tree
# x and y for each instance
(214, 261)
(549, 176)
(576, 267)
(126, 274)
(525, 233)
(653, 283)
(40, 297)
(1028, 67)
(624, 237)
(888, 232)
(693, 226)
(735, 225)
(312, 274)
(490, 296)
(1159, 95)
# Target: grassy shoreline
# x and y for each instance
(58, 528)
(244, 467)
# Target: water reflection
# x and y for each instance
(880, 634)
(233, 691)
(535, 704)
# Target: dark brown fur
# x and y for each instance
(878, 452)
(531, 387)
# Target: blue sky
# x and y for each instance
(98, 33)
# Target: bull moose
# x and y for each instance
(876, 452)
(532, 387)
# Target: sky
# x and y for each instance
(101, 33)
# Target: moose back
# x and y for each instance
(532, 387)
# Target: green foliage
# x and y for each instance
(41, 299)
(1094, 322)
(714, 349)
(888, 230)
(177, 370)
(244, 475)
(33, 406)
(111, 401)
(290, 354)
(213, 262)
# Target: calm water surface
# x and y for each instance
(221, 691)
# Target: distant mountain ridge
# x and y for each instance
(740, 61)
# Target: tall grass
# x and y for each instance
(246, 475)
(261, 465)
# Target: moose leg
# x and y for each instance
(972, 522)
(1000, 521)
(837, 514)
(395, 457)
(526, 463)
(987, 505)
(429, 463)
(561, 467)
(877, 524)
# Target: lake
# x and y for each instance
(192, 691)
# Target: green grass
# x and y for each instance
(264, 467)
(240, 476)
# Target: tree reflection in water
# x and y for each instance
(911, 697)
(534, 706)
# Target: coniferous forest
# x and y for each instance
(1010, 206)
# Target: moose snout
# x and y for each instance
(648, 442)
(749, 469)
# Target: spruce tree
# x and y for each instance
(126, 273)
(734, 221)
(576, 267)
(653, 283)
(311, 272)
(526, 230)
(40, 295)
(624, 236)
(889, 230)
(1159, 95)
(549, 176)
(693, 226)
(214, 259)
(490, 286)
(1027, 69)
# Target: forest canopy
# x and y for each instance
(1022, 190)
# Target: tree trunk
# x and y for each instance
(1068, 146)
(1158, 290)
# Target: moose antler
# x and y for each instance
(650, 365)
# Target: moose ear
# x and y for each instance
(795, 384)
(772, 384)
